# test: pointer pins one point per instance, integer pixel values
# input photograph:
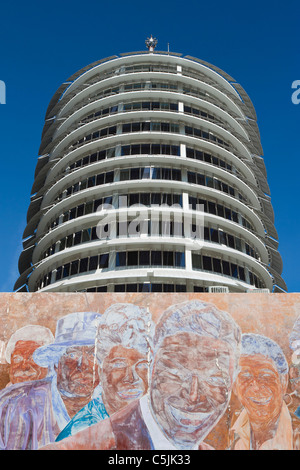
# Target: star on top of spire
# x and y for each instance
(151, 43)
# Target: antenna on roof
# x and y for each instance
(151, 43)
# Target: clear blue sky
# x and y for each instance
(43, 43)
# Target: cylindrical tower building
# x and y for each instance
(175, 135)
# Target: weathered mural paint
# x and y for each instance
(150, 371)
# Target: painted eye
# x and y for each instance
(217, 381)
(118, 365)
(142, 365)
(18, 359)
(245, 375)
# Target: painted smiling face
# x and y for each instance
(259, 388)
(124, 377)
(191, 386)
(23, 367)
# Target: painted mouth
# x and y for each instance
(260, 401)
(189, 420)
(25, 374)
(130, 394)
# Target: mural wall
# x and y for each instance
(149, 371)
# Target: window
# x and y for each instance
(120, 288)
(121, 258)
(135, 174)
(66, 270)
(77, 238)
(58, 273)
(179, 260)
(207, 266)
(109, 177)
(145, 149)
(144, 258)
(234, 270)
(156, 258)
(168, 258)
(93, 265)
(86, 235)
(103, 261)
(74, 267)
(217, 265)
(241, 273)
(156, 288)
(124, 175)
(132, 258)
(226, 268)
(83, 267)
(145, 199)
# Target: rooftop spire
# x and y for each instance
(151, 43)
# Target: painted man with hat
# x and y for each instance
(124, 345)
(195, 363)
(34, 412)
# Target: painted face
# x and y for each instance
(294, 372)
(259, 388)
(22, 366)
(77, 375)
(124, 377)
(191, 385)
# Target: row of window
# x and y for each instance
(150, 149)
(150, 287)
(128, 87)
(142, 68)
(208, 158)
(134, 106)
(153, 258)
(123, 259)
(220, 266)
(133, 69)
(154, 173)
(219, 210)
(79, 266)
(150, 258)
(135, 149)
(223, 238)
(199, 133)
(154, 126)
(201, 113)
(149, 126)
(149, 106)
(152, 84)
(145, 287)
(212, 182)
(104, 132)
(95, 180)
(159, 227)
(161, 67)
(147, 199)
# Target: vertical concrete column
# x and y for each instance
(188, 260)
(112, 260)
